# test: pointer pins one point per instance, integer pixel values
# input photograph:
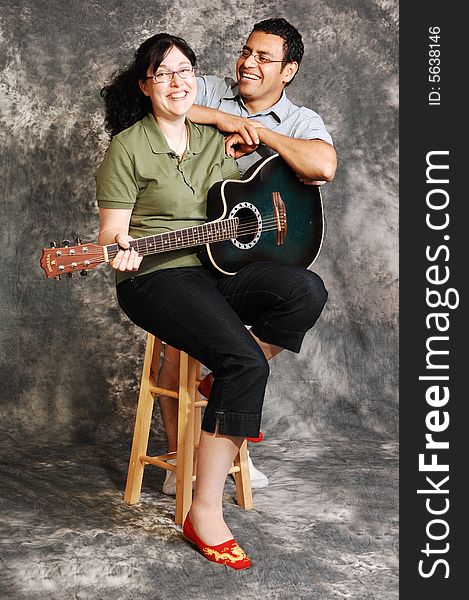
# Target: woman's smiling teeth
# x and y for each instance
(178, 95)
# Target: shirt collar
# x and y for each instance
(279, 110)
(158, 143)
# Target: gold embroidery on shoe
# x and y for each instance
(233, 554)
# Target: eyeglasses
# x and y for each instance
(259, 58)
(167, 76)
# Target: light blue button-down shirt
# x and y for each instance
(283, 117)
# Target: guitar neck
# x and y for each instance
(207, 233)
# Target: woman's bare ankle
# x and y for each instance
(210, 525)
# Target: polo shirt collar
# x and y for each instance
(279, 110)
(158, 143)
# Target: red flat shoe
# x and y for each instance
(206, 385)
(257, 439)
(228, 553)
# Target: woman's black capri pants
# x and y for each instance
(205, 315)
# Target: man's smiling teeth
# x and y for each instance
(178, 95)
(250, 76)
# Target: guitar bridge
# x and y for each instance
(280, 215)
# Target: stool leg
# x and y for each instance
(185, 446)
(198, 410)
(243, 479)
(142, 426)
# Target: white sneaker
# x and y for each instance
(258, 479)
(169, 485)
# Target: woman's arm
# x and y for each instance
(114, 228)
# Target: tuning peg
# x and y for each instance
(53, 245)
(65, 243)
(83, 273)
(77, 241)
(58, 277)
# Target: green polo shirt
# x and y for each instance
(140, 172)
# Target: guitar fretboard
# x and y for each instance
(215, 231)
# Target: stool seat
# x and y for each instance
(190, 403)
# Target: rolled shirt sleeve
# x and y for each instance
(116, 183)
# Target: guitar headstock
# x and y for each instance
(70, 259)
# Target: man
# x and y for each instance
(260, 121)
(257, 109)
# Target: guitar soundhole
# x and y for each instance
(247, 222)
(250, 225)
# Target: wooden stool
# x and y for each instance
(189, 419)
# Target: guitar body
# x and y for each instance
(304, 211)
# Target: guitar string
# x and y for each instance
(238, 233)
(246, 228)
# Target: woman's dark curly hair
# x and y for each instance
(293, 47)
(124, 101)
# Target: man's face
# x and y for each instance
(262, 84)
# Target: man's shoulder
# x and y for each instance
(301, 114)
(218, 86)
(300, 110)
(302, 122)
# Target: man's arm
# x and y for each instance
(225, 122)
(310, 159)
(314, 160)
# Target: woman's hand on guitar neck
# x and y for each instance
(126, 259)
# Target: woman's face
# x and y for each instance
(173, 99)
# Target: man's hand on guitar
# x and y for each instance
(126, 259)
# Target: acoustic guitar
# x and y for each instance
(267, 215)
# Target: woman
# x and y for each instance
(154, 178)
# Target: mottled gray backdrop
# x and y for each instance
(70, 361)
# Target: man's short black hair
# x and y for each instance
(293, 47)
